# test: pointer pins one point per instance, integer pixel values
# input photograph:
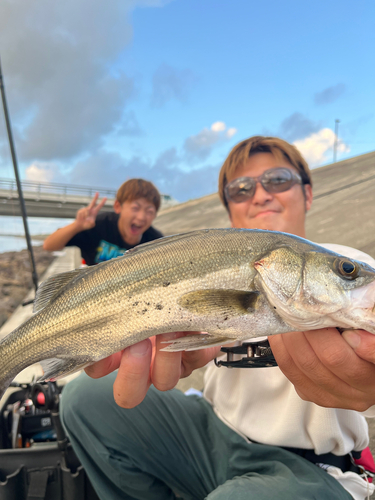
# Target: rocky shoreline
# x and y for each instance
(15, 277)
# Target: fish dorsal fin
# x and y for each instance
(160, 242)
(49, 288)
(207, 302)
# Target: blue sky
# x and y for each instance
(164, 89)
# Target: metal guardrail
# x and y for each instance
(53, 200)
(61, 190)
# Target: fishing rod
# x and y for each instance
(19, 188)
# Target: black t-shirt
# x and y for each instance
(104, 242)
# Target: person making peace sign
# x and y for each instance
(104, 236)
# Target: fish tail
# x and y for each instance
(8, 368)
(4, 384)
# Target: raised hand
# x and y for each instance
(86, 217)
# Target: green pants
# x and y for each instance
(173, 445)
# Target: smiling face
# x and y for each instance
(135, 218)
(272, 211)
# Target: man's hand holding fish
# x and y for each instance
(145, 363)
(326, 370)
(322, 366)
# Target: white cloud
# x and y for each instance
(170, 83)
(329, 94)
(317, 148)
(65, 86)
(231, 132)
(199, 146)
(171, 171)
(43, 172)
(167, 172)
(297, 126)
(218, 126)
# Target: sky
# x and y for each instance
(100, 92)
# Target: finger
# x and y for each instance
(285, 360)
(82, 213)
(100, 205)
(362, 342)
(340, 359)
(93, 201)
(304, 356)
(191, 360)
(166, 368)
(310, 353)
(312, 380)
(304, 386)
(104, 366)
(321, 398)
(133, 378)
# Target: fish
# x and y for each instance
(231, 284)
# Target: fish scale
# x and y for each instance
(233, 284)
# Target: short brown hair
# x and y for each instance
(258, 144)
(138, 188)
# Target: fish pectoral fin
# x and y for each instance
(56, 368)
(194, 342)
(220, 301)
(49, 288)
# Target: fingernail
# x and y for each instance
(140, 349)
(353, 339)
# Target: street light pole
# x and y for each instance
(19, 188)
(336, 140)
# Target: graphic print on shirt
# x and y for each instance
(107, 251)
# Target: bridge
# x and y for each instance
(55, 200)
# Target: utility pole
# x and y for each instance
(19, 188)
(336, 140)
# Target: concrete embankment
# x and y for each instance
(65, 260)
(16, 279)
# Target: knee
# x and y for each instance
(241, 487)
(222, 492)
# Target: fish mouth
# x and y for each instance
(364, 297)
(360, 314)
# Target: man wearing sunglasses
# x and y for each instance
(256, 433)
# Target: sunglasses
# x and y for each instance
(274, 180)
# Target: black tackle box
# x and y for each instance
(36, 460)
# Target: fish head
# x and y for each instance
(318, 288)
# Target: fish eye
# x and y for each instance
(347, 268)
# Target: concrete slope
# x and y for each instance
(194, 214)
(344, 207)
